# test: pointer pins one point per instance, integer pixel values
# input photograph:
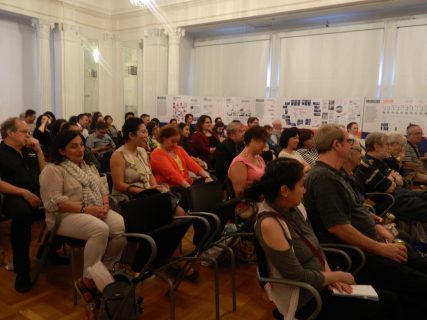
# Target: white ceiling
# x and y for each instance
(306, 18)
(115, 6)
(363, 12)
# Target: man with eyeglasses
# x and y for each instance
(228, 149)
(337, 216)
(413, 158)
(21, 160)
(376, 176)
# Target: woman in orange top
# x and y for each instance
(171, 164)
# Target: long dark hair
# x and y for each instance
(279, 172)
(60, 142)
(131, 125)
(201, 121)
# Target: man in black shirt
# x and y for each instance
(376, 176)
(335, 211)
(228, 150)
(21, 160)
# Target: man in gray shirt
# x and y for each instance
(334, 209)
(99, 142)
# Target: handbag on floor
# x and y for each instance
(118, 300)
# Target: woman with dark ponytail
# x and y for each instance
(293, 252)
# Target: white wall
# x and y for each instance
(18, 80)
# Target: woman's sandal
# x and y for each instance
(175, 271)
(88, 294)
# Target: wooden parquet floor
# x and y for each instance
(51, 298)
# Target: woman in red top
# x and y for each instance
(203, 141)
(171, 164)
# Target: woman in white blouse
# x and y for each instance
(289, 140)
(73, 187)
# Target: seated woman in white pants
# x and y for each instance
(73, 187)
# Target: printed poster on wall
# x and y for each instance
(311, 113)
(303, 113)
(163, 111)
(210, 106)
(394, 115)
(238, 109)
(267, 110)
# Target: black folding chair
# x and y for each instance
(209, 198)
(153, 216)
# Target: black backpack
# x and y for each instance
(118, 301)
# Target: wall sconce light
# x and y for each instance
(132, 70)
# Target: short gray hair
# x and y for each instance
(396, 138)
(325, 136)
(233, 127)
(8, 125)
(375, 138)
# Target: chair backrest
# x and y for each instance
(153, 216)
(143, 215)
(205, 196)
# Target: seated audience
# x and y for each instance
(218, 119)
(130, 166)
(279, 228)
(203, 141)
(253, 121)
(56, 127)
(30, 118)
(337, 215)
(111, 129)
(275, 147)
(218, 131)
(185, 142)
(129, 115)
(376, 176)
(99, 142)
(188, 119)
(396, 144)
(96, 117)
(153, 131)
(228, 150)
(42, 133)
(145, 118)
(277, 131)
(353, 130)
(289, 141)
(171, 164)
(73, 187)
(413, 159)
(248, 166)
(83, 123)
(21, 160)
(306, 147)
(173, 121)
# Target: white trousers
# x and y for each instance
(105, 239)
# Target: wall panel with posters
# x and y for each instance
(394, 115)
(300, 112)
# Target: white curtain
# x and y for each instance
(410, 78)
(337, 64)
(231, 69)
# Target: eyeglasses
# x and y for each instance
(24, 131)
(350, 141)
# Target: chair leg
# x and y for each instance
(43, 258)
(73, 275)
(233, 273)
(170, 294)
(42, 232)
